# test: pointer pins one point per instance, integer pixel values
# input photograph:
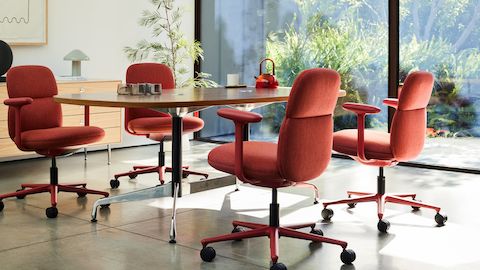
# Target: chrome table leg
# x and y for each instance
(173, 223)
(138, 195)
(109, 154)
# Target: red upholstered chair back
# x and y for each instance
(306, 135)
(38, 83)
(409, 123)
(148, 73)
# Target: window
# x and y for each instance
(442, 37)
(351, 36)
(297, 35)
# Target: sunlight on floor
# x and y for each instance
(448, 246)
(413, 237)
(249, 201)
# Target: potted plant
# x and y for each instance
(168, 44)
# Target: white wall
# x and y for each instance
(101, 29)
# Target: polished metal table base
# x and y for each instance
(166, 190)
(173, 224)
(138, 195)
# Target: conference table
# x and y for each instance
(178, 103)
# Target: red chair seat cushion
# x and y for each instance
(377, 143)
(260, 162)
(60, 137)
(162, 126)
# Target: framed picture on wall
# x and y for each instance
(23, 22)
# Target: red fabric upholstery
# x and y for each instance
(407, 136)
(416, 91)
(305, 147)
(31, 81)
(239, 116)
(155, 125)
(41, 113)
(360, 108)
(60, 137)
(260, 161)
(148, 73)
(312, 93)
(18, 102)
(391, 102)
(305, 140)
(377, 143)
(408, 133)
(41, 119)
(38, 83)
(148, 125)
(409, 124)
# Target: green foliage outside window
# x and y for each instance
(438, 36)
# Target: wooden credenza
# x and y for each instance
(107, 118)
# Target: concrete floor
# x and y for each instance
(135, 235)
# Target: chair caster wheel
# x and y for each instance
(383, 225)
(316, 231)
(238, 230)
(2, 205)
(104, 206)
(132, 176)
(51, 212)
(441, 219)
(114, 183)
(81, 194)
(208, 254)
(416, 208)
(20, 196)
(348, 256)
(327, 214)
(315, 202)
(278, 266)
(185, 174)
(352, 205)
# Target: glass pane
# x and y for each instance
(443, 38)
(348, 36)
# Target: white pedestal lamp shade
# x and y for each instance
(76, 56)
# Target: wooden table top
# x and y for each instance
(184, 97)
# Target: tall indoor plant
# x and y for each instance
(168, 44)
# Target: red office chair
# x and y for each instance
(302, 154)
(154, 125)
(381, 149)
(35, 124)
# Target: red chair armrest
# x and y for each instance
(18, 102)
(391, 102)
(361, 108)
(240, 116)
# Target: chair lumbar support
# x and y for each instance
(381, 198)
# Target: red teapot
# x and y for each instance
(266, 80)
